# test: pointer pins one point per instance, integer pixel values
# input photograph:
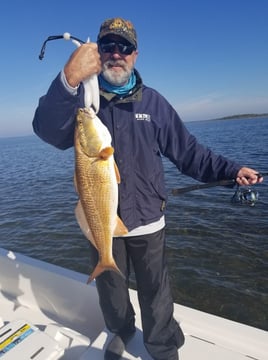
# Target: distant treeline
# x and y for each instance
(241, 116)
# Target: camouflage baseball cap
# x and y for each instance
(120, 27)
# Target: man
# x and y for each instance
(144, 127)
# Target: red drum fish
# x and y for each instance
(96, 181)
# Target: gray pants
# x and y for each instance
(161, 333)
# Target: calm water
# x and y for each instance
(217, 251)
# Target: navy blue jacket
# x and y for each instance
(144, 126)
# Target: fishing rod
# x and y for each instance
(245, 195)
(230, 182)
(203, 186)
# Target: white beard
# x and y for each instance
(114, 77)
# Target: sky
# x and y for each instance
(209, 58)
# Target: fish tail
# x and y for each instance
(99, 269)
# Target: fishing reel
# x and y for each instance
(245, 196)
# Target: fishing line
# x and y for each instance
(65, 36)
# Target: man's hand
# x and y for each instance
(248, 176)
(84, 62)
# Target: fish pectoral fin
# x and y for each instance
(120, 228)
(117, 173)
(82, 221)
(106, 152)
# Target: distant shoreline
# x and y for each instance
(242, 116)
(234, 117)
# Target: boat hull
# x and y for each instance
(61, 305)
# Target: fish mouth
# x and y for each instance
(81, 112)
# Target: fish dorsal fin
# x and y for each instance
(117, 173)
(106, 152)
(82, 221)
(120, 228)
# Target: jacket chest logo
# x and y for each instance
(145, 117)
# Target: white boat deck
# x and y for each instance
(63, 315)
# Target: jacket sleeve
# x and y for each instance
(189, 156)
(54, 118)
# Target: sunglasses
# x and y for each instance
(111, 46)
